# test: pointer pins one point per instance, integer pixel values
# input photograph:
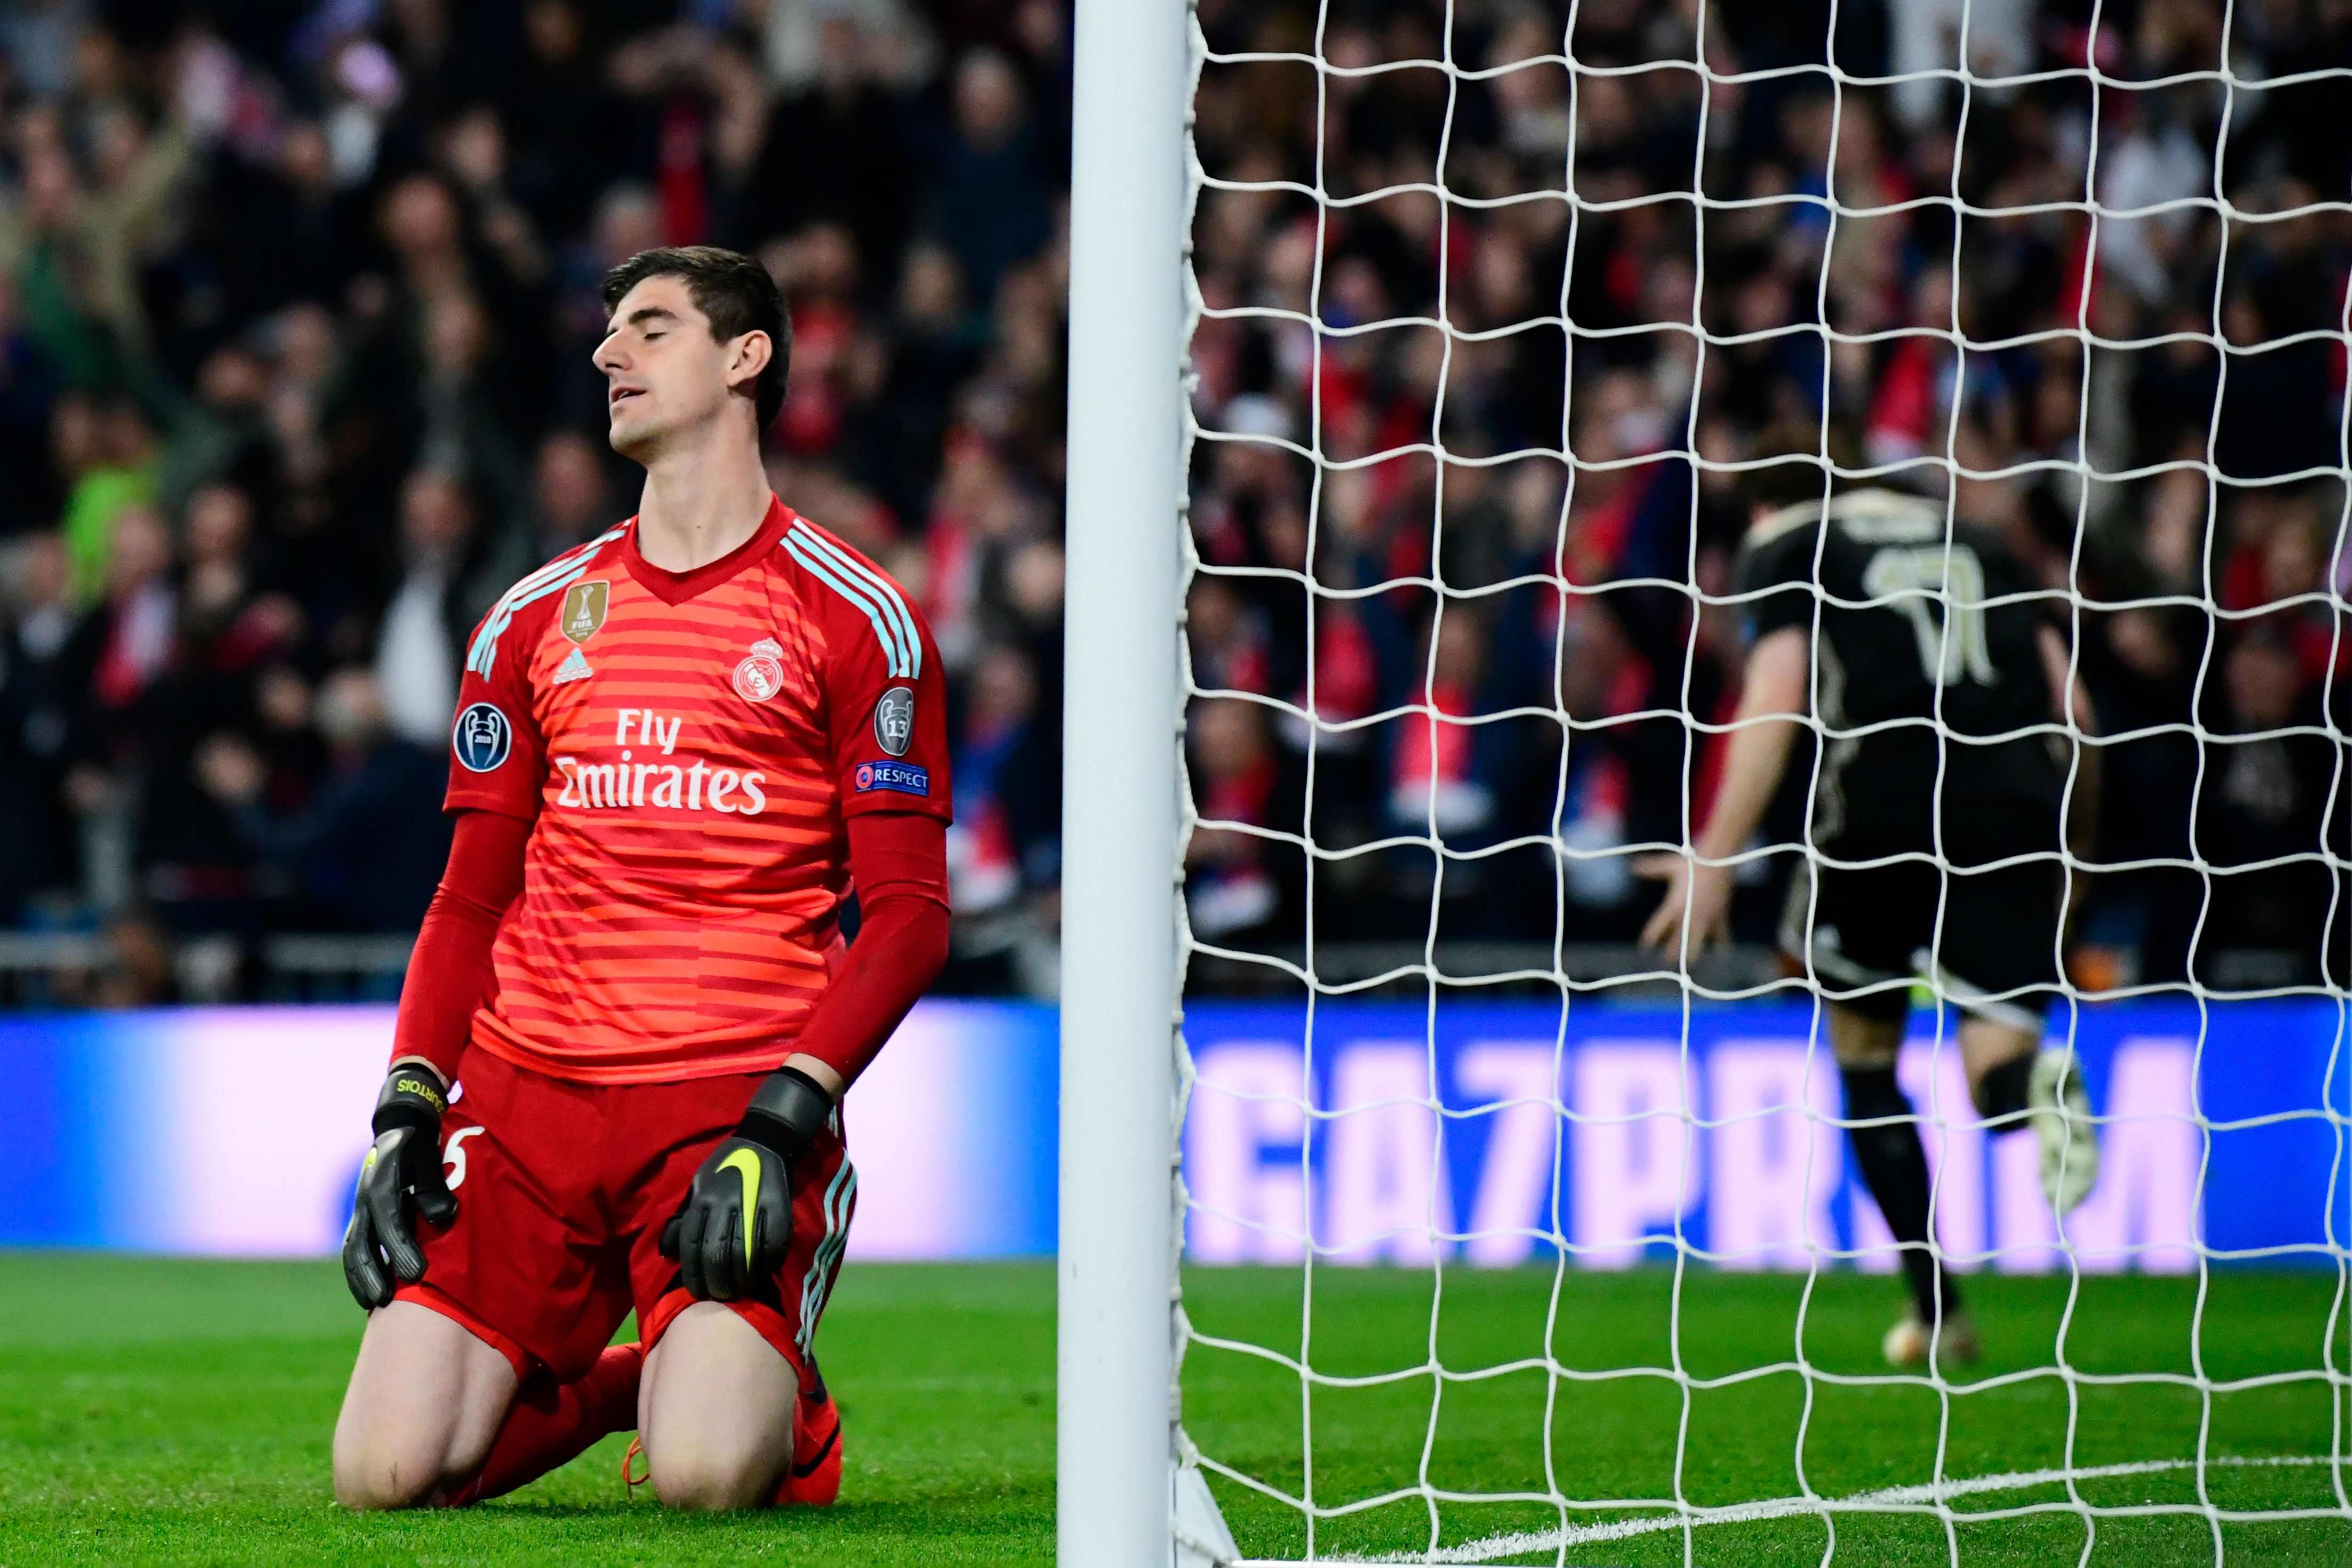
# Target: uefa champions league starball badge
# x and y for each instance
(761, 674)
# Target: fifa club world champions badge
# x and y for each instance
(761, 674)
(584, 615)
(584, 609)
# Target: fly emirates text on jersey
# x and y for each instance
(690, 783)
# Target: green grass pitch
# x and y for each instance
(176, 1412)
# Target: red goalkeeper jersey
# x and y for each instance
(690, 746)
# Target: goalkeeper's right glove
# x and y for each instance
(402, 1174)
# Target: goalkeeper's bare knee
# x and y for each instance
(718, 1412)
(391, 1471)
(705, 1469)
(425, 1401)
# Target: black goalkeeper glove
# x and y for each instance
(731, 1233)
(402, 1174)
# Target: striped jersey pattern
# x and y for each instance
(689, 748)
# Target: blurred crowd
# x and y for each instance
(297, 300)
(1904, 279)
(296, 305)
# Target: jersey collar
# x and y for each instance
(677, 587)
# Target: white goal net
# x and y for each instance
(1507, 1238)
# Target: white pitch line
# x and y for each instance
(1499, 1546)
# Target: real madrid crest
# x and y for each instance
(761, 674)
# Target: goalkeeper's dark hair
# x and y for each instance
(735, 291)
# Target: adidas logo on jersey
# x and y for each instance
(574, 668)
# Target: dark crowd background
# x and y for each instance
(2209, 596)
(297, 300)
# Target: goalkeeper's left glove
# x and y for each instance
(401, 1178)
(730, 1234)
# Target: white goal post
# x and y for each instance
(1113, 1487)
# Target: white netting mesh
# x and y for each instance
(1496, 311)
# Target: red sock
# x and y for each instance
(552, 1422)
(812, 1478)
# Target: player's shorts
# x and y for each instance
(563, 1191)
(1872, 930)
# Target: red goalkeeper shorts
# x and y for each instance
(563, 1191)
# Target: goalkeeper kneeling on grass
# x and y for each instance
(630, 1018)
(1938, 681)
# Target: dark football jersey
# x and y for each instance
(1918, 659)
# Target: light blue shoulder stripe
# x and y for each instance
(893, 653)
(556, 575)
(883, 589)
(900, 667)
(879, 590)
(484, 654)
(562, 563)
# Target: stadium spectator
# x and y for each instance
(422, 646)
(836, 144)
(571, 500)
(1008, 789)
(1235, 881)
(989, 197)
(367, 849)
(50, 653)
(106, 455)
(2270, 771)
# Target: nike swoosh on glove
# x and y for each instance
(730, 1234)
(400, 1179)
